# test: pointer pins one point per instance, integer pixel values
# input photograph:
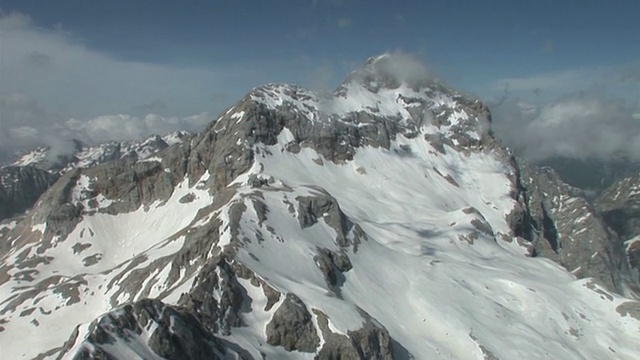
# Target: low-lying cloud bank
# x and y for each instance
(55, 87)
(102, 129)
(584, 125)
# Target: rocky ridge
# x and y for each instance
(25, 179)
(620, 207)
(562, 225)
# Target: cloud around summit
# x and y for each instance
(57, 85)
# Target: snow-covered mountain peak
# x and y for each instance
(390, 71)
(175, 137)
(364, 114)
(367, 223)
(35, 156)
(81, 155)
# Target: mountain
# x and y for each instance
(81, 155)
(380, 221)
(20, 187)
(594, 175)
(620, 206)
(25, 179)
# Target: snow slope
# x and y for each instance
(81, 276)
(439, 296)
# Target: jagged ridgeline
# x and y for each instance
(380, 221)
(24, 180)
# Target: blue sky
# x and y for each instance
(81, 60)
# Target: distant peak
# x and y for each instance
(390, 71)
(377, 58)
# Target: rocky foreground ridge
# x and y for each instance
(382, 221)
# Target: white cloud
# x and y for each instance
(397, 66)
(24, 133)
(123, 126)
(14, 21)
(585, 113)
(50, 76)
(584, 125)
(631, 74)
(549, 46)
(344, 22)
(59, 71)
(548, 81)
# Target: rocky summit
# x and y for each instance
(380, 221)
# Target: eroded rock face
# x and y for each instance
(333, 265)
(369, 342)
(215, 298)
(620, 207)
(323, 206)
(292, 327)
(146, 329)
(24, 180)
(20, 187)
(565, 227)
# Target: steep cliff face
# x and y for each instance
(20, 187)
(564, 227)
(380, 221)
(620, 207)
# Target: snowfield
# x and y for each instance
(438, 296)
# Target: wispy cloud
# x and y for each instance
(344, 22)
(548, 81)
(584, 113)
(588, 124)
(548, 47)
(49, 76)
(331, 3)
(123, 126)
(631, 74)
(303, 33)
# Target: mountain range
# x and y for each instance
(383, 220)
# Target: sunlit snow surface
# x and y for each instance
(439, 295)
(101, 250)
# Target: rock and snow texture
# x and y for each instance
(25, 179)
(378, 222)
(562, 225)
(83, 156)
(20, 187)
(620, 207)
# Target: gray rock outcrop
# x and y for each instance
(564, 226)
(292, 327)
(147, 329)
(620, 207)
(20, 187)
